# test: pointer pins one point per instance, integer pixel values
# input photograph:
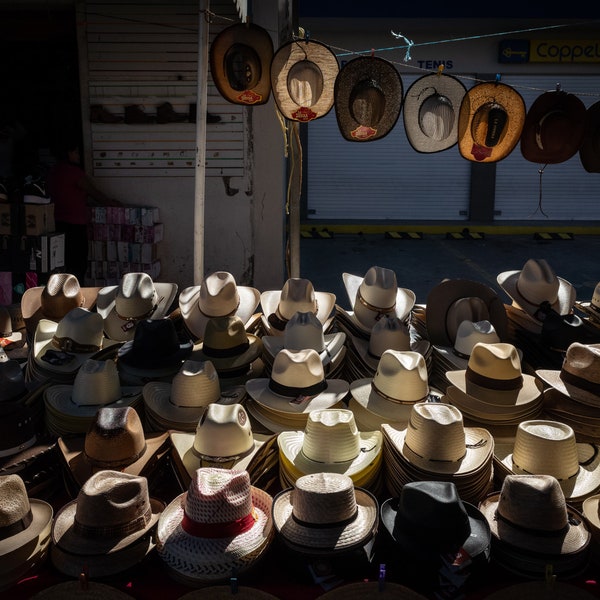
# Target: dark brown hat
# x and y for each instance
(240, 59)
(554, 128)
(368, 96)
(589, 152)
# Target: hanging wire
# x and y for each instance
(539, 206)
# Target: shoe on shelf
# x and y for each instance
(34, 191)
(165, 113)
(134, 114)
(99, 114)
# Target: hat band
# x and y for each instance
(67, 344)
(333, 525)
(293, 392)
(226, 352)
(109, 464)
(378, 309)
(395, 400)
(584, 384)
(532, 302)
(16, 527)
(219, 530)
(460, 354)
(122, 530)
(496, 384)
(441, 460)
(146, 315)
(538, 532)
(22, 446)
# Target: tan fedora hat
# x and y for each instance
(431, 109)
(490, 122)
(589, 151)
(217, 296)
(303, 76)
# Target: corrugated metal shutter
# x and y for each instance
(569, 192)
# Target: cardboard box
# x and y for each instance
(46, 252)
(38, 219)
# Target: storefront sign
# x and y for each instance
(552, 51)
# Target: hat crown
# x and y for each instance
(436, 117)
(305, 83)
(242, 66)
(331, 436)
(402, 375)
(297, 368)
(389, 333)
(96, 383)
(470, 333)
(61, 294)
(225, 333)
(14, 501)
(218, 296)
(195, 384)
(436, 432)
(367, 102)
(537, 282)
(223, 431)
(82, 326)
(488, 126)
(304, 330)
(546, 448)
(379, 287)
(469, 308)
(498, 361)
(596, 296)
(582, 361)
(297, 295)
(218, 496)
(324, 499)
(136, 295)
(6, 328)
(156, 338)
(12, 380)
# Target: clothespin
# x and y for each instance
(372, 52)
(498, 77)
(233, 582)
(558, 87)
(84, 582)
(440, 69)
(381, 579)
(550, 577)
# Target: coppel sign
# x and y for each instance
(564, 51)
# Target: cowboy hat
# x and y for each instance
(589, 152)
(225, 592)
(222, 524)
(217, 296)
(554, 128)
(240, 56)
(13, 384)
(431, 108)
(367, 98)
(490, 122)
(303, 75)
(7, 335)
(372, 590)
(324, 513)
(137, 297)
(17, 428)
(87, 590)
(541, 590)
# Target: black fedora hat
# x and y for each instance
(589, 152)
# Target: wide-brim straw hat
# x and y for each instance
(431, 110)
(591, 511)
(372, 590)
(541, 590)
(90, 590)
(368, 96)
(303, 76)
(589, 151)
(554, 128)
(490, 122)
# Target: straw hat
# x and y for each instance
(376, 295)
(90, 590)
(591, 511)
(431, 108)
(217, 296)
(589, 152)
(136, 298)
(368, 98)
(372, 590)
(228, 592)
(554, 128)
(296, 295)
(240, 57)
(490, 122)
(536, 283)
(453, 301)
(324, 513)
(541, 590)
(303, 75)
(24, 530)
(128, 517)
(220, 525)
(544, 447)
(429, 518)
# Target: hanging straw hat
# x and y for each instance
(222, 524)
(431, 109)
(136, 298)
(217, 296)
(76, 590)
(117, 541)
(589, 151)
(372, 590)
(24, 530)
(303, 76)
(324, 514)
(368, 98)
(554, 128)
(240, 57)
(490, 122)
(228, 592)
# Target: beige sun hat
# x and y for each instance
(536, 283)
(217, 296)
(375, 295)
(220, 525)
(25, 525)
(324, 513)
(128, 516)
(544, 447)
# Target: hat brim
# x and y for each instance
(589, 152)
(420, 346)
(234, 362)
(334, 343)
(31, 301)
(270, 299)
(553, 379)
(42, 515)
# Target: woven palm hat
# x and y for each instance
(431, 109)
(579, 375)
(324, 513)
(454, 300)
(375, 295)
(541, 590)
(90, 590)
(436, 441)
(494, 375)
(429, 517)
(303, 76)
(25, 525)
(372, 590)
(490, 122)
(368, 95)
(589, 151)
(554, 128)
(217, 296)
(332, 443)
(222, 524)
(296, 295)
(240, 59)
(128, 516)
(530, 513)
(544, 447)
(536, 283)
(136, 298)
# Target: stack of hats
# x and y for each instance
(13, 341)
(591, 308)
(296, 387)
(591, 511)
(435, 446)
(331, 443)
